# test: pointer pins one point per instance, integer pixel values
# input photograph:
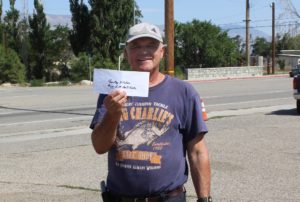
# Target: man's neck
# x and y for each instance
(156, 78)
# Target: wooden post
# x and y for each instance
(273, 38)
(169, 36)
(247, 34)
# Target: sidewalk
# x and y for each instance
(239, 78)
(69, 174)
(252, 156)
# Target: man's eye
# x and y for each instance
(148, 47)
(152, 47)
(134, 47)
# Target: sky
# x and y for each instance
(218, 12)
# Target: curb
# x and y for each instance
(239, 78)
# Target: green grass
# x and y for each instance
(37, 82)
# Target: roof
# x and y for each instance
(290, 52)
(289, 55)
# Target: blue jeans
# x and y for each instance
(111, 198)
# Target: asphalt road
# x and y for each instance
(46, 152)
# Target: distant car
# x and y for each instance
(295, 71)
(296, 87)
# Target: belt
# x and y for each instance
(157, 198)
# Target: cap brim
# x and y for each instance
(144, 36)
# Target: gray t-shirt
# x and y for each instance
(149, 156)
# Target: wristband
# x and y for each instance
(205, 199)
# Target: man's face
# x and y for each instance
(144, 54)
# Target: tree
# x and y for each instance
(59, 52)
(295, 43)
(39, 40)
(11, 27)
(201, 44)
(240, 45)
(261, 47)
(110, 21)
(80, 35)
(1, 5)
(79, 70)
(283, 42)
(287, 42)
(25, 45)
(11, 68)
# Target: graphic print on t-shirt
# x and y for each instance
(142, 133)
(151, 121)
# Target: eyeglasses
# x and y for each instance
(150, 47)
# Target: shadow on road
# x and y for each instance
(67, 111)
(285, 112)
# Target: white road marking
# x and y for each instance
(246, 102)
(247, 94)
(38, 135)
(48, 120)
(16, 110)
(84, 130)
(249, 111)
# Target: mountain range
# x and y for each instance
(233, 30)
(55, 20)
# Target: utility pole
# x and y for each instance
(133, 12)
(25, 9)
(1, 4)
(24, 35)
(247, 34)
(5, 41)
(169, 35)
(273, 38)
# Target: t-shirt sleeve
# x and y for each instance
(100, 111)
(194, 123)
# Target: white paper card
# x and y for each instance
(132, 82)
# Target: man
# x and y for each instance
(147, 138)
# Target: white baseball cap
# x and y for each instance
(144, 30)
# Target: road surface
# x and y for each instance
(46, 152)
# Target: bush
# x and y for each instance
(65, 83)
(79, 68)
(37, 82)
(98, 62)
(179, 73)
(11, 68)
(281, 64)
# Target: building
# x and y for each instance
(291, 57)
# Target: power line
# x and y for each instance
(255, 21)
(261, 26)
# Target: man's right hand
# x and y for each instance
(104, 133)
(114, 102)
